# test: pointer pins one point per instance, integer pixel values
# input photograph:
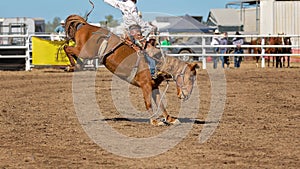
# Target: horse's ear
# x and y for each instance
(194, 66)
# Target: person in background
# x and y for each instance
(238, 41)
(59, 32)
(60, 29)
(216, 41)
(165, 42)
(223, 50)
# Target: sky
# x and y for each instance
(49, 9)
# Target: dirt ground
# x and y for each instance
(259, 128)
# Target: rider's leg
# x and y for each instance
(152, 63)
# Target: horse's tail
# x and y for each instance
(60, 48)
(71, 25)
(250, 49)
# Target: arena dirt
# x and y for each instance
(259, 128)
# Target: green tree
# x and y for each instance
(50, 26)
(109, 22)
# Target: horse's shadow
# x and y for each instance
(143, 120)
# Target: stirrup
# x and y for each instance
(157, 74)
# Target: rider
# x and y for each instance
(138, 29)
(132, 20)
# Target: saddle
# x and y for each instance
(141, 49)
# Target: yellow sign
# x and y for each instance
(46, 52)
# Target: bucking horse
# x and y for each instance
(122, 59)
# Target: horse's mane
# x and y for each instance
(71, 25)
(171, 65)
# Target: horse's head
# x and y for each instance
(185, 80)
(287, 40)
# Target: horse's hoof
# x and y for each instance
(78, 67)
(69, 69)
(175, 122)
(156, 122)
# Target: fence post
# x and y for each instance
(262, 53)
(203, 52)
(27, 59)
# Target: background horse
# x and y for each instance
(288, 50)
(269, 50)
(274, 50)
(255, 50)
(121, 59)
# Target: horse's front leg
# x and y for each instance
(269, 58)
(158, 101)
(147, 91)
(257, 59)
(280, 62)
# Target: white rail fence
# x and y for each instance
(202, 56)
(205, 45)
(22, 42)
(7, 43)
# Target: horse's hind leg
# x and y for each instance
(72, 53)
(158, 101)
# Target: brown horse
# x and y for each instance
(269, 50)
(274, 50)
(124, 61)
(287, 50)
(256, 50)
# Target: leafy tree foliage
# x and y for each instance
(109, 22)
(50, 26)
